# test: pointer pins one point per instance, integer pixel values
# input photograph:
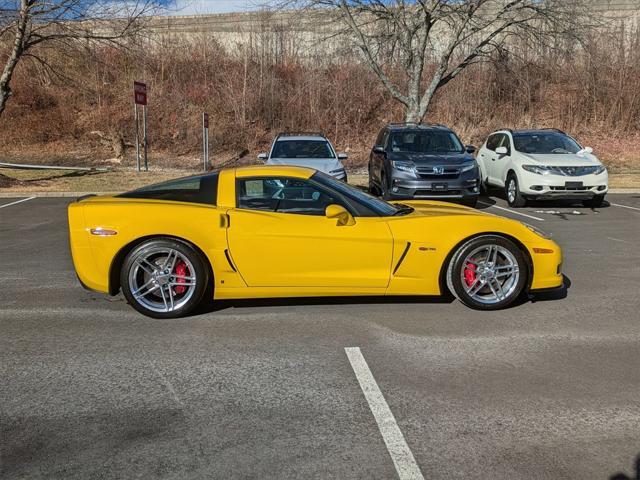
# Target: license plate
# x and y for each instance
(439, 186)
(573, 184)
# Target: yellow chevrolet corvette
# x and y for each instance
(280, 231)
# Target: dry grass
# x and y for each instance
(253, 94)
(123, 180)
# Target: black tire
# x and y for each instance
(456, 269)
(595, 202)
(470, 202)
(146, 249)
(384, 190)
(484, 188)
(373, 190)
(517, 200)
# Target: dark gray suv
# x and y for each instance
(423, 161)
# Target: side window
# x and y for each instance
(283, 195)
(504, 142)
(385, 139)
(492, 142)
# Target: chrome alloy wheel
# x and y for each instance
(511, 190)
(162, 279)
(490, 274)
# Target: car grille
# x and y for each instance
(437, 193)
(573, 171)
(438, 173)
(570, 189)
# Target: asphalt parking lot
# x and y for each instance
(549, 389)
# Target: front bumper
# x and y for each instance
(558, 187)
(465, 186)
(546, 257)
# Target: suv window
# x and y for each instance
(426, 142)
(492, 142)
(504, 142)
(284, 195)
(198, 189)
(302, 149)
(545, 143)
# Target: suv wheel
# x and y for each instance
(512, 191)
(595, 202)
(386, 195)
(373, 190)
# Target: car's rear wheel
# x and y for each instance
(595, 202)
(512, 191)
(164, 278)
(487, 273)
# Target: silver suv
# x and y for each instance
(312, 150)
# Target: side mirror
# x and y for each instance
(341, 214)
(342, 156)
(470, 148)
(587, 150)
(502, 151)
(378, 149)
(263, 157)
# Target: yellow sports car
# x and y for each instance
(280, 231)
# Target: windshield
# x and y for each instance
(319, 149)
(544, 143)
(381, 207)
(432, 141)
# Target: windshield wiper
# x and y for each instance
(403, 209)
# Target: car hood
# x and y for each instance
(563, 160)
(323, 164)
(434, 208)
(429, 159)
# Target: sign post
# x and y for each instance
(205, 141)
(140, 98)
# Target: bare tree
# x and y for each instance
(416, 47)
(28, 27)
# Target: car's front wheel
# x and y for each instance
(512, 191)
(164, 278)
(487, 273)
(595, 202)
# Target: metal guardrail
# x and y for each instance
(21, 166)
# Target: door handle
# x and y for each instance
(225, 220)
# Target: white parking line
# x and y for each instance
(401, 455)
(16, 202)
(625, 206)
(513, 211)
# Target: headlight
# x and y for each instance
(470, 166)
(537, 231)
(600, 169)
(539, 169)
(408, 167)
(340, 170)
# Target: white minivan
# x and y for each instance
(312, 150)
(541, 165)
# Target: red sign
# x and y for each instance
(140, 93)
(205, 120)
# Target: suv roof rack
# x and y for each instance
(301, 134)
(554, 130)
(415, 124)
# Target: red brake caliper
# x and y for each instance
(469, 274)
(181, 270)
